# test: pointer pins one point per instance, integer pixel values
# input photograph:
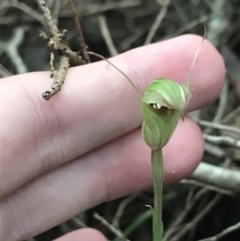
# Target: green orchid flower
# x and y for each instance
(162, 105)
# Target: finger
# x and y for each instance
(114, 170)
(86, 234)
(96, 105)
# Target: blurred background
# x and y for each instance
(196, 208)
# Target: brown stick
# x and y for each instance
(59, 78)
(79, 31)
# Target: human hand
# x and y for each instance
(84, 146)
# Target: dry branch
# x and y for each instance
(107, 35)
(223, 178)
(162, 13)
(197, 218)
(11, 47)
(232, 129)
(59, 78)
(59, 50)
(180, 218)
(111, 228)
(222, 140)
(79, 31)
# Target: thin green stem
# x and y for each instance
(157, 177)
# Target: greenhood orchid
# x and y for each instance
(162, 106)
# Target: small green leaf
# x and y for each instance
(157, 231)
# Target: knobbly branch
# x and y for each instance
(60, 53)
(59, 78)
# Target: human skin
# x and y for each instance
(84, 146)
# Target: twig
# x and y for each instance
(11, 48)
(222, 140)
(93, 8)
(104, 222)
(183, 15)
(106, 35)
(65, 228)
(48, 18)
(30, 11)
(232, 63)
(59, 49)
(23, 7)
(223, 233)
(96, 8)
(121, 208)
(131, 39)
(221, 108)
(208, 187)
(189, 26)
(219, 21)
(59, 78)
(197, 218)
(192, 24)
(219, 126)
(214, 150)
(231, 115)
(183, 215)
(79, 223)
(4, 72)
(55, 10)
(79, 31)
(220, 177)
(157, 22)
